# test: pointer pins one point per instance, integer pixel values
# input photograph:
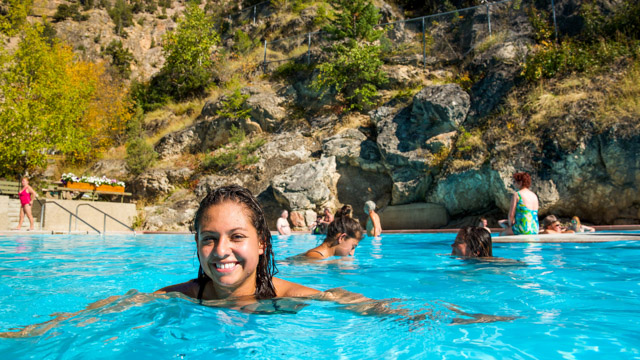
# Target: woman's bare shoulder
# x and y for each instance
(286, 288)
(189, 288)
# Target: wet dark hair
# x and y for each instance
(346, 210)
(523, 178)
(343, 224)
(478, 241)
(266, 265)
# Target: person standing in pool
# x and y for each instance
(343, 235)
(27, 195)
(374, 228)
(523, 212)
(282, 224)
(233, 244)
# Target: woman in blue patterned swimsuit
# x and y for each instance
(523, 213)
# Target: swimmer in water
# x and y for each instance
(343, 236)
(233, 244)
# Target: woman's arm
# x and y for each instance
(32, 192)
(512, 209)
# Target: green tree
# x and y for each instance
(354, 21)
(121, 16)
(188, 52)
(121, 58)
(13, 14)
(45, 94)
(354, 68)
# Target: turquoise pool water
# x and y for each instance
(574, 301)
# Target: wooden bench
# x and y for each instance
(10, 187)
(77, 194)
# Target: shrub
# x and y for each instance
(242, 42)
(121, 16)
(68, 11)
(235, 107)
(120, 58)
(140, 156)
(235, 155)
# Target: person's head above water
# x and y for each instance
(523, 179)
(472, 241)
(234, 242)
(345, 210)
(368, 206)
(343, 234)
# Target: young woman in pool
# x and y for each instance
(343, 235)
(472, 241)
(234, 249)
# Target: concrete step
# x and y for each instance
(13, 216)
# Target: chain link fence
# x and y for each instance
(445, 37)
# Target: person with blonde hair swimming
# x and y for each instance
(578, 227)
(373, 222)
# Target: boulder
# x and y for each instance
(175, 214)
(440, 108)
(308, 186)
(151, 184)
(413, 216)
(179, 142)
(352, 147)
(297, 220)
(265, 108)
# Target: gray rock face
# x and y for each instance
(265, 108)
(151, 184)
(175, 214)
(470, 192)
(179, 142)
(308, 186)
(159, 181)
(440, 109)
(352, 147)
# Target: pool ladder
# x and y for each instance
(72, 215)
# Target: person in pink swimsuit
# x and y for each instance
(27, 195)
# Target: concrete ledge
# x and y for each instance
(566, 238)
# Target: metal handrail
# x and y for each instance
(104, 223)
(71, 215)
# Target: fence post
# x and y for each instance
(555, 25)
(424, 46)
(254, 14)
(265, 55)
(489, 19)
(309, 49)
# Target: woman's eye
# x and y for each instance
(205, 242)
(237, 237)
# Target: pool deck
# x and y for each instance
(546, 238)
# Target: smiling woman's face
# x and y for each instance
(229, 249)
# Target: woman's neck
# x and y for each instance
(213, 291)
